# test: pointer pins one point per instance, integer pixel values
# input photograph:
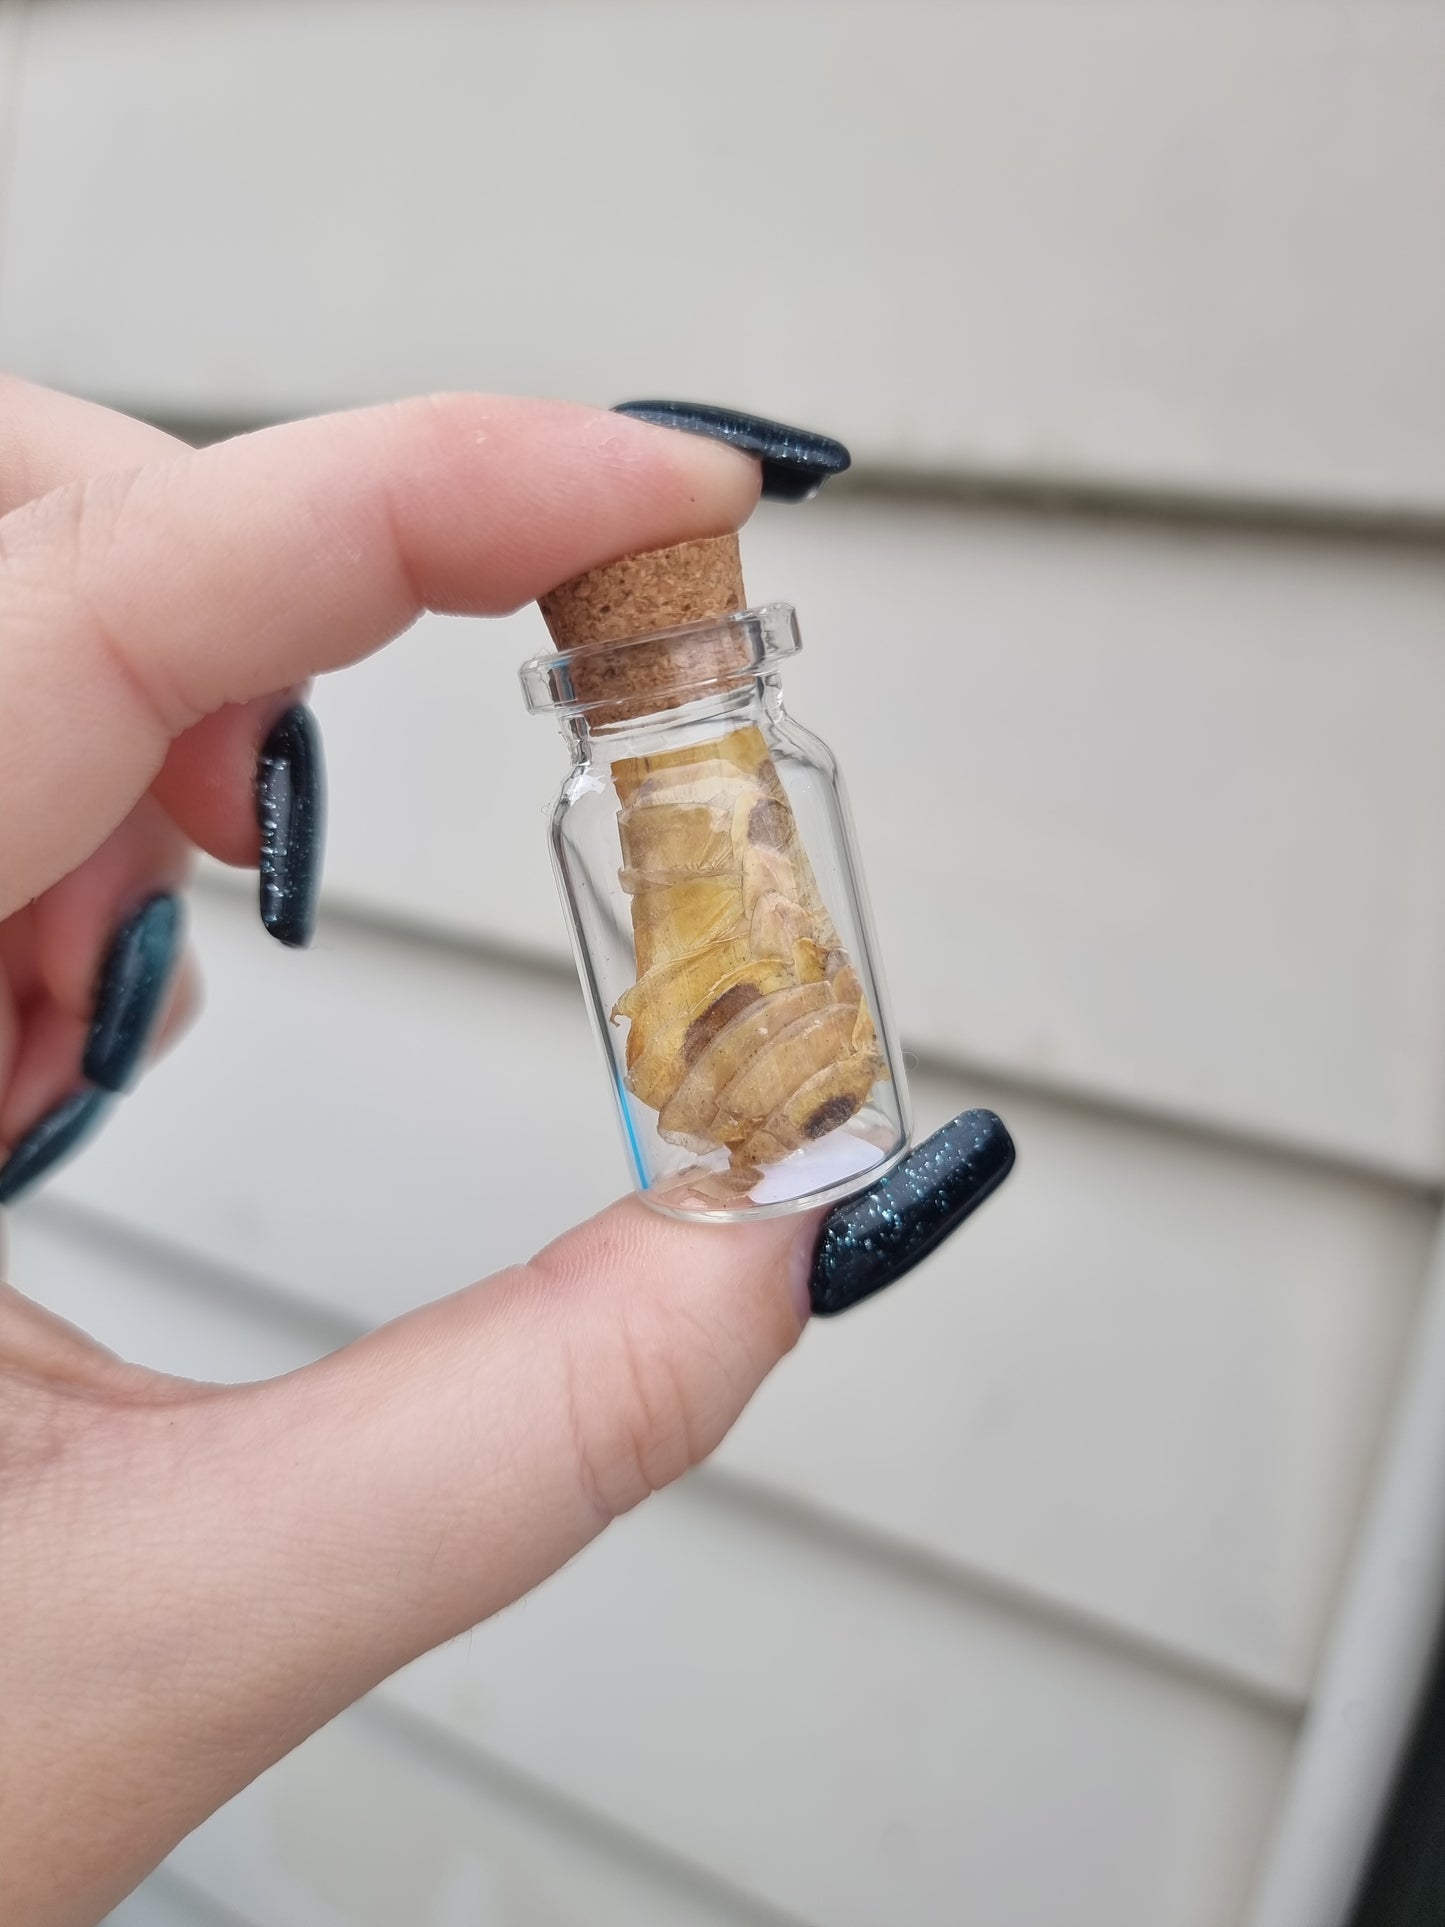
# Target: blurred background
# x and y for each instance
(1031, 1593)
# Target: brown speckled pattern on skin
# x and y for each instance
(871, 1240)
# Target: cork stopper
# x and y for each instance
(666, 589)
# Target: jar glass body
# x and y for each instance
(708, 868)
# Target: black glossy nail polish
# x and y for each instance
(871, 1240)
(291, 812)
(795, 461)
(53, 1138)
(133, 982)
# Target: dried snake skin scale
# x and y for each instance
(749, 1030)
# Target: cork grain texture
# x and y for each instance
(640, 595)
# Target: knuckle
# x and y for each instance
(633, 1414)
(58, 569)
(663, 1339)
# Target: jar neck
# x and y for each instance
(668, 681)
(752, 703)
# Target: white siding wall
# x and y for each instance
(1005, 1599)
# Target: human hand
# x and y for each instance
(196, 1577)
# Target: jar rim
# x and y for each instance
(757, 638)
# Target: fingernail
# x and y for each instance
(871, 1240)
(133, 982)
(291, 810)
(53, 1138)
(795, 461)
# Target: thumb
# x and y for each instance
(434, 1471)
(257, 1557)
(237, 1564)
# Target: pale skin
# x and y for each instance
(194, 1577)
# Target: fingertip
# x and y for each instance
(207, 784)
(186, 1001)
(802, 1255)
(793, 463)
(76, 921)
(50, 1140)
(291, 812)
(584, 486)
(718, 476)
(746, 1282)
(134, 990)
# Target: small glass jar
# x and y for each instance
(707, 865)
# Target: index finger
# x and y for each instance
(134, 605)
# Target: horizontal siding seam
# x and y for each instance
(402, 929)
(1149, 504)
(903, 1562)
(461, 1757)
(963, 1582)
(199, 1901)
